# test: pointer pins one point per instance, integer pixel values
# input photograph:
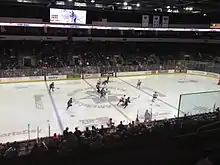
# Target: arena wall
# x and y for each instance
(32, 79)
(118, 74)
(202, 73)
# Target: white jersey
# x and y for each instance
(99, 81)
(147, 116)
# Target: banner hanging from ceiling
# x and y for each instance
(145, 20)
(165, 21)
(156, 21)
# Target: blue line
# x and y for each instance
(55, 109)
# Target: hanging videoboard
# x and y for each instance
(67, 16)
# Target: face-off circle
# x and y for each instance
(89, 98)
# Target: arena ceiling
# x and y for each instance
(171, 6)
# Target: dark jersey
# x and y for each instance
(103, 91)
(70, 102)
(105, 82)
(127, 100)
(97, 86)
(51, 86)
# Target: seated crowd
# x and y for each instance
(184, 135)
(58, 54)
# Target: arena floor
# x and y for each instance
(29, 106)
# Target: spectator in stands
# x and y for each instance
(56, 137)
(66, 132)
(78, 133)
(94, 132)
(121, 127)
(110, 123)
(102, 130)
(87, 133)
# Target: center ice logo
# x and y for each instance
(91, 94)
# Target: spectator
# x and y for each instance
(102, 131)
(78, 133)
(66, 132)
(55, 137)
(121, 127)
(87, 133)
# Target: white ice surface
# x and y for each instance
(18, 107)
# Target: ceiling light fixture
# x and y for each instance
(125, 3)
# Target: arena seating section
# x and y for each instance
(174, 141)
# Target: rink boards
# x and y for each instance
(115, 74)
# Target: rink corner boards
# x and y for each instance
(203, 73)
(94, 76)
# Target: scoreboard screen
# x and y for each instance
(67, 16)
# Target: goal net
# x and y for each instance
(198, 103)
(90, 75)
(97, 72)
(90, 72)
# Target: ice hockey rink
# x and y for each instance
(29, 107)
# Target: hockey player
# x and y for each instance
(69, 103)
(99, 81)
(122, 100)
(51, 87)
(139, 84)
(126, 102)
(155, 95)
(147, 116)
(105, 82)
(98, 87)
(102, 92)
(107, 79)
